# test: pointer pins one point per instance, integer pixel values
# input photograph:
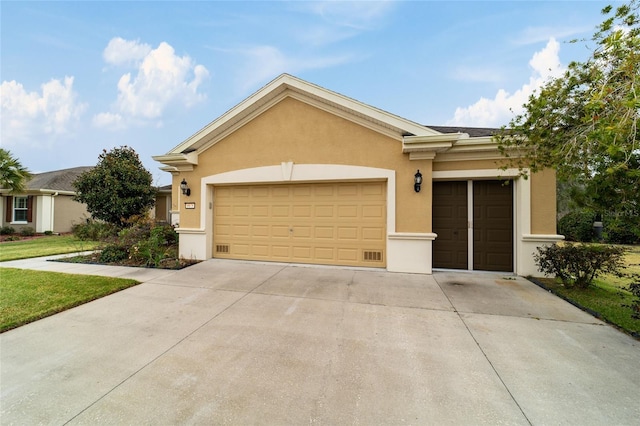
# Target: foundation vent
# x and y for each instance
(372, 256)
(222, 248)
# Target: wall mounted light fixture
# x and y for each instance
(185, 188)
(417, 181)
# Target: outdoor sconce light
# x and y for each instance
(417, 181)
(185, 189)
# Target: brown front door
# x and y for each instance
(451, 225)
(492, 226)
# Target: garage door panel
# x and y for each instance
(302, 211)
(281, 252)
(241, 249)
(312, 223)
(348, 233)
(260, 250)
(260, 211)
(324, 253)
(259, 231)
(241, 231)
(224, 210)
(348, 211)
(324, 232)
(348, 255)
(373, 212)
(373, 234)
(374, 190)
(222, 230)
(324, 212)
(348, 190)
(280, 211)
(324, 190)
(301, 232)
(302, 253)
(241, 192)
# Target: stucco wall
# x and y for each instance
(67, 213)
(295, 131)
(543, 202)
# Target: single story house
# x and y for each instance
(48, 204)
(298, 173)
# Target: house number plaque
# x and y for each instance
(189, 206)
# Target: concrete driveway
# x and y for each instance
(231, 342)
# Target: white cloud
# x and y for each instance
(27, 115)
(108, 119)
(123, 52)
(160, 79)
(498, 111)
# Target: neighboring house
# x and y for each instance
(298, 173)
(47, 204)
(162, 208)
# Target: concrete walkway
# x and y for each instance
(231, 342)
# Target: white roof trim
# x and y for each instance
(276, 88)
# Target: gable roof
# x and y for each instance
(184, 155)
(420, 142)
(57, 180)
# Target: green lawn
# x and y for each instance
(607, 296)
(43, 246)
(26, 296)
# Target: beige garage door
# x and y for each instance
(328, 223)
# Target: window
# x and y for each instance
(20, 207)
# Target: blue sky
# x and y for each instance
(80, 77)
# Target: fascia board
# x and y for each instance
(374, 113)
(178, 161)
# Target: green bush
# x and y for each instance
(113, 253)
(48, 232)
(622, 230)
(577, 226)
(156, 245)
(578, 264)
(28, 232)
(7, 230)
(93, 230)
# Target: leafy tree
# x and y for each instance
(584, 124)
(13, 175)
(117, 188)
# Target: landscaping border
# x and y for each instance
(591, 312)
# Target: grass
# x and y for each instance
(26, 296)
(43, 246)
(606, 297)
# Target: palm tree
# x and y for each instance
(13, 175)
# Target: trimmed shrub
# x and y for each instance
(7, 230)
(93, 230)
(578, 264)
(577, 226)
(48, 232)
(113, 254)
(28, 232)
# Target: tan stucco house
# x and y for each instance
(46, 205)
(298, 173)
